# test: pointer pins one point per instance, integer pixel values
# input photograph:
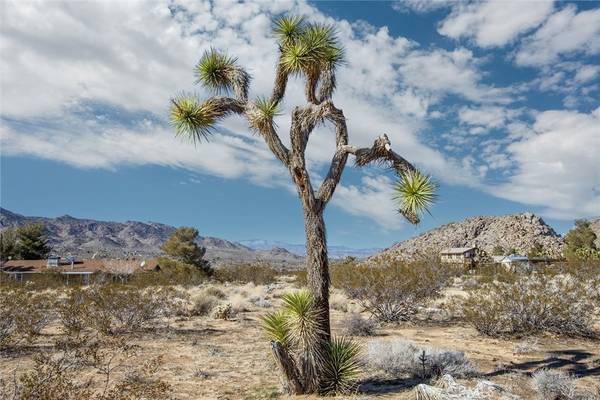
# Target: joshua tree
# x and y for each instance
(311, 52)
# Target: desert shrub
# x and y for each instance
(338, 301)
(223, 311)
(74, 313)
(116, 309)
(23, 314)
(172, 272)
(553, 385)
(203, 305)
(399, 358)
(215, 292)
(391, 290)
(532, 303)
(355, 324)
(257, 273)
(51, 378)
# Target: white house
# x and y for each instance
(511, 261)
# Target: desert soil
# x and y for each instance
(205, 358)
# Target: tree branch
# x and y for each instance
(381, 153)
(338, 162)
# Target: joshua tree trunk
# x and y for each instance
(317, 266)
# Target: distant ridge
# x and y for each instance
(516, 231)
(334, 251)
(86, 237)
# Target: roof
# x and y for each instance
(82, 266)
(457, 250)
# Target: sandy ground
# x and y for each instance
(206, 358)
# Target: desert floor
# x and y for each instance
(205, 358)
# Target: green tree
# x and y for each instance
(311, 52)
(8, 244)
(537, 250)
(580, 240)
(32, 242)
(498, 250)
(182, 246)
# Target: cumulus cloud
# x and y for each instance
(565, 32)
(88, 84)
(421, 6)
(557, 166)
(442, 72)
(486, 117)
(494, 23)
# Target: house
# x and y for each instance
(70, 268)
(512, 261)
(458, 255)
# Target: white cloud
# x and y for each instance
(564, 33)
(68, 61)
(490, 117)
(373, 199)
(558, 166)
(442, 72)
(421, 6)
(494, 23)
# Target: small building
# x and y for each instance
(78, 270)
(512, 262)
(458, 255)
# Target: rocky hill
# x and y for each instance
(518, 231)
(595, 222)
(86, 237)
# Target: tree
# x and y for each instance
(8, 244)
(32, 243)
(183, 247)
(311, 52)
(580, 240)
(498, 250)
(537, 250)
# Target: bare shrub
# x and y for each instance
(532, 303)
(203, 305)
(400, 358)
(355, 324)
(553, 385)
(526, 346)
(23, 314)
(215, 292)
(57, 376)
(223, 311)
(392, 290)
(257, 273)
(117, 309)
(337, 301)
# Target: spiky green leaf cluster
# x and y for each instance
(261, 116)
(415, 193)
(288, 28)
(307, 48)
(276, 326)
(342, 366)
(216, 70)
(192, 118)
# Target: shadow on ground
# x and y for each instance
(576, 362)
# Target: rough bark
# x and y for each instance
(290, 377)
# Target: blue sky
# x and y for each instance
(497, 100)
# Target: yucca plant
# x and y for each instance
(296, 328)
(261, 116)
(342, 366)
(311, 52)
(415, 193)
